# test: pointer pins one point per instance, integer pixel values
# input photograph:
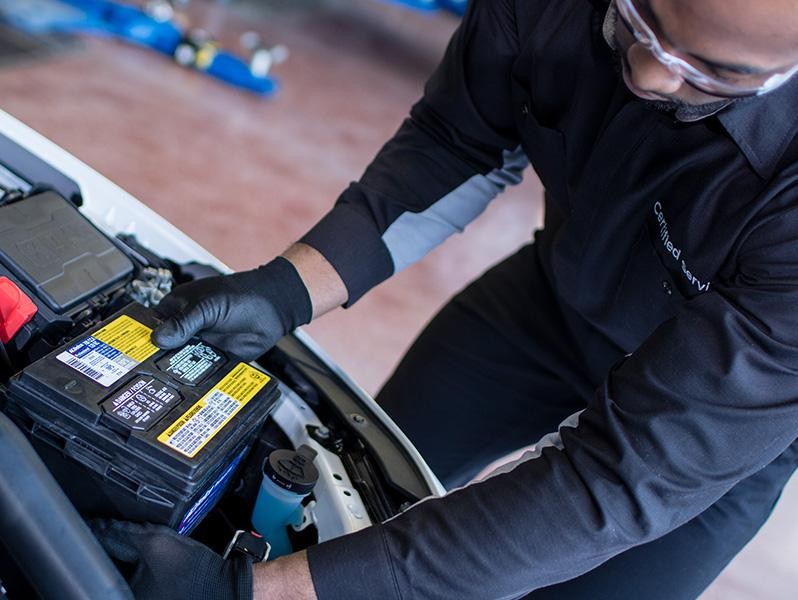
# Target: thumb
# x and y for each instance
(178, 329)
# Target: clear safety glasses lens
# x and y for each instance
(704, 82)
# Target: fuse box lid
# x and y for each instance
(59, 254)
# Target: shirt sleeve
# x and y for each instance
(710, 398)
(448, 160)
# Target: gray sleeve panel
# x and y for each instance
(413, 235)
(550, 440)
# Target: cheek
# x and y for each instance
(644, 67)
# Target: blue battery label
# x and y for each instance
(112, 352)
(98, 361)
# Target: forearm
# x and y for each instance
(287, 578)
(325, 287)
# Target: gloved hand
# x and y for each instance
(168, 566)
(245, 313)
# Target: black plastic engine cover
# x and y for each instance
(57, 252)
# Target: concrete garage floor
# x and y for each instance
(246, 176)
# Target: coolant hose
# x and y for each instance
(43, 532)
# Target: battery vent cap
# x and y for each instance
(16, 309)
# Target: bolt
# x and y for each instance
(359, 419)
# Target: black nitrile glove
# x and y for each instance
(163, 565)
(244, 313)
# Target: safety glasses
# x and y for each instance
(734, 86)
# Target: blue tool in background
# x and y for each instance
(457, 7)
(154, 27)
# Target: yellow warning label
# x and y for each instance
(197, 426)
(129, 337)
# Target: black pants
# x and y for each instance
(496, 370)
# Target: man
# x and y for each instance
(648, 336)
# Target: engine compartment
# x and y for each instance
(81, 282)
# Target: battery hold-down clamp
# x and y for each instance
(16, 309)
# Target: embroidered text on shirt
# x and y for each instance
(674, 251)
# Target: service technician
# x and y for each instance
(648, 337)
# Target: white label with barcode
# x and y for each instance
(97, 360)
(202, 422)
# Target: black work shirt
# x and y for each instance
(675, 243)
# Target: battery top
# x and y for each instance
(116, 392)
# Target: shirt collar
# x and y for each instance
(764, 126)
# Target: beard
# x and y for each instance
(683, 111)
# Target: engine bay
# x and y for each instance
(175, 437)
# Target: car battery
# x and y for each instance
(138, 433)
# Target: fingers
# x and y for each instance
(245, 345)
(117, 539)
(179, 329)
(171, 333)
(126, 540)
(173, 303)
(176, 308)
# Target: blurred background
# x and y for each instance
(247, 166)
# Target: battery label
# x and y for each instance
(141, 402)
(200, 423)
(112, 352)
(192, 363)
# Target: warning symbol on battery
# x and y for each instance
(141, 402)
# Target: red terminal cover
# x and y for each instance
(16, 309)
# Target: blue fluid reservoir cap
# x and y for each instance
(292, 470)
